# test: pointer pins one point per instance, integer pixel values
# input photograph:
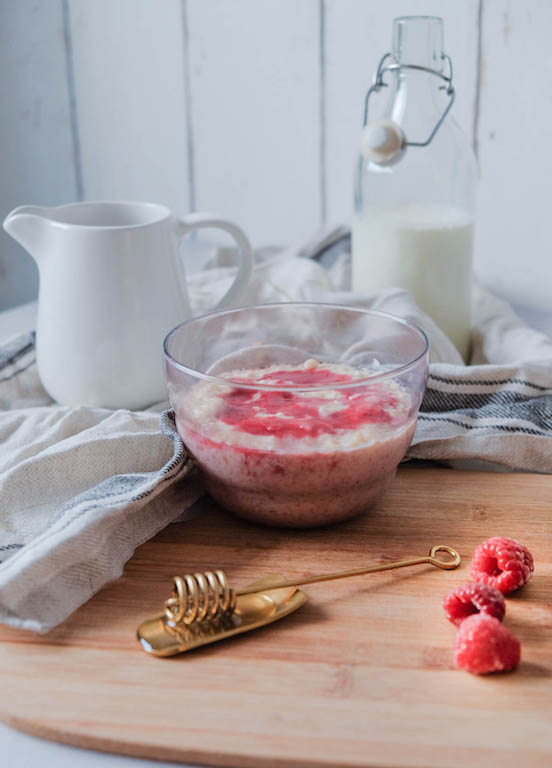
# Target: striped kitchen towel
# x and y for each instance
(500, 415)
(80, 489)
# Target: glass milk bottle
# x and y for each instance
(415, 183)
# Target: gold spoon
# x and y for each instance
(203, 608)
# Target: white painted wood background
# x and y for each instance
(252, 108)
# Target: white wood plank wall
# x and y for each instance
(252, 108)
(36, 148)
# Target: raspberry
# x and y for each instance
(473, 598)
(502, 563)
(485, 645)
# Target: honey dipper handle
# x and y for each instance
(431, 558)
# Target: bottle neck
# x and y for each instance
(414, 103)
(417, 40)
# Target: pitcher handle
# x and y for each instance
(192, 221)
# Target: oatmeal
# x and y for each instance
(283, 450)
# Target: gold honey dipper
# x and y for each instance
(204, 608)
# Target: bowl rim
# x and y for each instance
(274, 387)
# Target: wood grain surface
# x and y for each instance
(362, 675)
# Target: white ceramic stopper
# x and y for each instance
(383, 142)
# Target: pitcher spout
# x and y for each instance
(27, 224)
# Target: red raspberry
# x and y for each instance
(485, 645)
(473, 598)
(502, 563)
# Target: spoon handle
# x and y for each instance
(431, 558)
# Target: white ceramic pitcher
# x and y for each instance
(110, 291)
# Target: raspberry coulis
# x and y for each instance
(292, 414)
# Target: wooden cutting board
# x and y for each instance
(361, 675)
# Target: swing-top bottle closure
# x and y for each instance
(383, 141)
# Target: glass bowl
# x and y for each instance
(297, 414)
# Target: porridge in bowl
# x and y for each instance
(297, 445)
